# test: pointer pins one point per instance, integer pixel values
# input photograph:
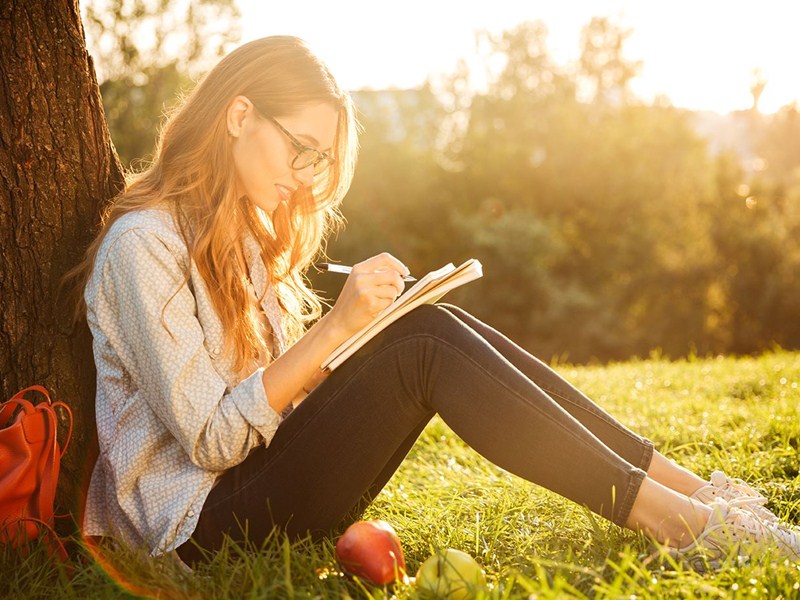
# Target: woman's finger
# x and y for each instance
(383, 260)
(388, 292)
(382, 277)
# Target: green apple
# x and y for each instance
(450, 574)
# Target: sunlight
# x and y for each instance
(700, 55)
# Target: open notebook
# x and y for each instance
(427, 290)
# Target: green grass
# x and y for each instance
(736, 414)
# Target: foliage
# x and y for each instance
(779, 145)
(135, 111)
(607, 226)
(127, 37)
(737, 415)
(148, 51)
(755, 232)
(603, 62)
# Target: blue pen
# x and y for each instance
(345, 270)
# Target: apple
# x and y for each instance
(371, 550)
(450, 574)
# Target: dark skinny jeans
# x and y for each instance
(333, 454)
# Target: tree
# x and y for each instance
(603, 64)
(57, 167)
(779, 145)
(586, 213)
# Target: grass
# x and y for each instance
(739, 415)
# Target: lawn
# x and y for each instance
(738, 415)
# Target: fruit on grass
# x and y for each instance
(450, 574)
(371, 550)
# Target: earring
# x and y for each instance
(232, 134)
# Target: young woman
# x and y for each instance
(204, 345)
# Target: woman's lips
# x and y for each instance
(284, 192)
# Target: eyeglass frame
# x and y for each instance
(299, 147)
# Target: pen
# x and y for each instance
(345, 270)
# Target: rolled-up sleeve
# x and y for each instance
(146, 304)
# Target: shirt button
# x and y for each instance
(190, 513)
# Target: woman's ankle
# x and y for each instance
(673, 476)
(667, 516)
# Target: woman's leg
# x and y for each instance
(633, 448)
(327, 461)
(364, 417)
(674, 476)
(666, 515)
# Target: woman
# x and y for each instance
(195, 296)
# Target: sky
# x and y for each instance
(701, 54)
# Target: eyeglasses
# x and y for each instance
(305, 156)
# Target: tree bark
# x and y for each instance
(57, 168)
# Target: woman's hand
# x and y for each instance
(372, 286)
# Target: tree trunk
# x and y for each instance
(57, 167)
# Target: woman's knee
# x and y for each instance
(431, 320)
(429, 316)
(454, 310)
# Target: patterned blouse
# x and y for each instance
(171, 412)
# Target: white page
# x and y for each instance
(427, 291)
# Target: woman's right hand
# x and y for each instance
(372, 286)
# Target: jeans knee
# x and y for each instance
(426, 314)
(431, 319)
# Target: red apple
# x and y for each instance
(371, 550)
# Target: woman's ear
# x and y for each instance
(237, 111)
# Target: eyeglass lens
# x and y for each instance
(308, 157)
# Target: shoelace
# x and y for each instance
(745, 494)
(756, 506)
(730, 488)
(722, 481)
(760, 530)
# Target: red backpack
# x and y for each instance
(30, 458)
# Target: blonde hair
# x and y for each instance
(192, 173)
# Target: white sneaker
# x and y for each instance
(732, 530)
(730, 489)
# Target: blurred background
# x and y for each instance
(628, 173)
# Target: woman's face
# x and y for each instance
(263, 154)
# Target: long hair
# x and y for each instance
(192, 173)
